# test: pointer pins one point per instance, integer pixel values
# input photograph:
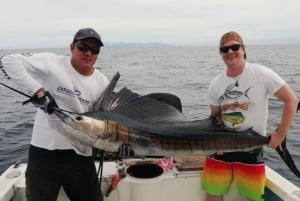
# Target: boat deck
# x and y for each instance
(172, 184)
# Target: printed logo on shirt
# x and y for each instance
(73, 93)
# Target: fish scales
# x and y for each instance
(117, 132)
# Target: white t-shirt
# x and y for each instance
(244, 99)
(71, 91)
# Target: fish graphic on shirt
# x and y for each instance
(232, 93)
(235, 105)
(234, 118)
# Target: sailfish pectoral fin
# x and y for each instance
(287, 158)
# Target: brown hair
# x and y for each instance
(232, 35)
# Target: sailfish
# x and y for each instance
(152, 127)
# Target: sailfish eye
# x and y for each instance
(79, 118)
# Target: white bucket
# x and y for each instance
(143, 183)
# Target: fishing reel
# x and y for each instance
(125, 151)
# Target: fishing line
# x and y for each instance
(62, 111)
(20, 92)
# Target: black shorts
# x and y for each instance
(48, 170)
(252, 157)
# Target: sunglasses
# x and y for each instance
(234, 47)
(84, 48)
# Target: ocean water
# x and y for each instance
(184, 71)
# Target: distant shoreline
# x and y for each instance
(148, 45)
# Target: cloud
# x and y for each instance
(33, 23)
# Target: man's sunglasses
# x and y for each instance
(234, 47)
(84, 48)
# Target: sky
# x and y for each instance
(53, 23)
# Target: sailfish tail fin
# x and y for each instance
(287, 158)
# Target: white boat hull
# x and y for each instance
(172, 185)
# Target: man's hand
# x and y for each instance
(276, 139)
(44, 101)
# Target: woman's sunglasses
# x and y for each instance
(84, 48)
(234, 47)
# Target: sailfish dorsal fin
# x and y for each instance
(134, 106)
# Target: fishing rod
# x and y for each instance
(30, 97)
(20, 92)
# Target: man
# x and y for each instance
(72, 83)
(239, 99)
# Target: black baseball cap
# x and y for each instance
(87, 33)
